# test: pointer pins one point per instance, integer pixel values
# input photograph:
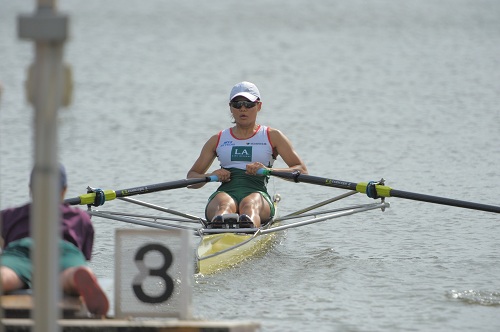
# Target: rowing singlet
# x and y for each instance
(234, 154)
(237, 153)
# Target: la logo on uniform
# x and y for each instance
(241, 153)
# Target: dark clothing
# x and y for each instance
(76, 226)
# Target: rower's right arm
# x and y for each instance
(204, 161)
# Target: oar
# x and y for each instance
(108, 195)
(381, 190)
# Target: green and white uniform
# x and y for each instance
(234, 154)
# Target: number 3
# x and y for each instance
(145, 272)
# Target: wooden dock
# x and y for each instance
(19, 306)
(17, 310)
(112, 325)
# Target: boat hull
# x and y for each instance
(223, 250)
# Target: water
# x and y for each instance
(405, 90)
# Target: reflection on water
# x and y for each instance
(476, 297)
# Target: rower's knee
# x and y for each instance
(222, 203)
(255, 202)
(255, 206)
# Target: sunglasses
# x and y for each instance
(240, 104)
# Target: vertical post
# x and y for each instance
(47, 89)
(1, 244)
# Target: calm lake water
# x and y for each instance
(404, 90)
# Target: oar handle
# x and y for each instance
(263, 171)
(212, 178)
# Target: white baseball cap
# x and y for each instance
(245, 89)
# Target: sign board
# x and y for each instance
(153, 273)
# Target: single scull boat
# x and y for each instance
(219, 248)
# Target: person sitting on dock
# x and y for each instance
(242, 150)
(77, 279)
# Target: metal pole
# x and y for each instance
(1, 244)
(46, 90)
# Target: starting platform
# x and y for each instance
(151, 292)
(75, 318)
(119, 325)
(19, 306)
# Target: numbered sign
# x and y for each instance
(153, 273)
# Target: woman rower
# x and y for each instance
(242, 150)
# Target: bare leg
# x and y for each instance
(222, 203)
(10, 280)
(256, 207)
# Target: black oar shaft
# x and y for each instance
(316, 180)
(73, 201)
(444, 201)
(158, 187)
(382, 191)
(89, 198)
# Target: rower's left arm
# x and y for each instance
(203, 163)
(285, 149)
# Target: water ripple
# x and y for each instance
(486, 298)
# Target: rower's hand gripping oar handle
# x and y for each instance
(97, 197)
